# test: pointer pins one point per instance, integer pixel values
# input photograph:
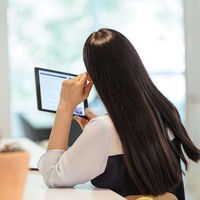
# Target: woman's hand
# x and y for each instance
(74, 91)
(84, 121)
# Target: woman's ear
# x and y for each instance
(88, 77)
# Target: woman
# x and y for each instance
(137, 148)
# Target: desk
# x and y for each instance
(36, 190)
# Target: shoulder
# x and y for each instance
(101, 122)
(102, 119)
(98, 125)
(96, 129)
(104, 125)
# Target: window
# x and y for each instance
(51, 34)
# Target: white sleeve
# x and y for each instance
(83, 161)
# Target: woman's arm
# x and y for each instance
(83, 161)
(60, 132)
(61, 166)
(73, 92)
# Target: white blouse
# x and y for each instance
(86, 158)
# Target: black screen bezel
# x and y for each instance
(38, 91)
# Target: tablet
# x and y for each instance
(48, 87)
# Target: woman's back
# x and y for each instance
(116, 176)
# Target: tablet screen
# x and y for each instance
(50, 83)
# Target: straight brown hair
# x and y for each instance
(141, 114)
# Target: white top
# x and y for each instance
(86, 158)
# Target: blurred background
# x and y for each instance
(51, 34)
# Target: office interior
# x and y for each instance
(51, 34)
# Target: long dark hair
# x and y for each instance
(141, 114)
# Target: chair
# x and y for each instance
(42, 133)
(166, 196)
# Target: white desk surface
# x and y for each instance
(36, 190)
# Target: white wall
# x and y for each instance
(4, 74)
(192, 42)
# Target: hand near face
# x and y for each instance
(76, 90)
